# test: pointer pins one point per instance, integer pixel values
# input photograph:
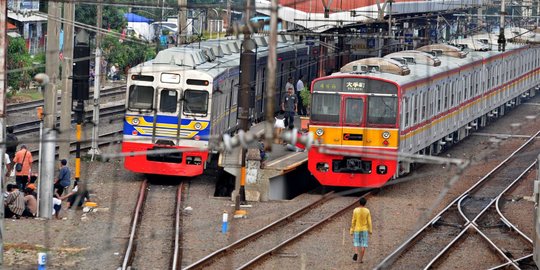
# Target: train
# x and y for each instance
(373, 114)
(187, 96)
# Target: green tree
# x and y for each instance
(113, 16)
(126, 53)
(19, 62)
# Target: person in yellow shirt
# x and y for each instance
(360, 227)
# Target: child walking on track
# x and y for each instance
(360, 227)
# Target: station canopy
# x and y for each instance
(311, 13)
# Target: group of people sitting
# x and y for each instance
(19, 204)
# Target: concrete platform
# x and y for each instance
(281, 161)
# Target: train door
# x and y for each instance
(353, 110)
(169, 114)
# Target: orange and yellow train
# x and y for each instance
(369, 117)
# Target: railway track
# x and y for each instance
(104, 139)
(33, 126)
(155, 226)
(473, 217)
(250, 251)
(31, 105)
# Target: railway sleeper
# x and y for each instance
(439, 221)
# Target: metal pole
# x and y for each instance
(94, 150)
(46, 175)
(270, 86)
(3, 88)
(47, 162)
(40, 154)
(247, 59)
(67, 70)
(536, 193)
(502, 40)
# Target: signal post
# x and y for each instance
(81, 90)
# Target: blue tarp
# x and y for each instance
(132, 17)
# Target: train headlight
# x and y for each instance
(198, 126)
(135, 121)
(322, 167)
(386, 135)
(319, 132)
(382, 169)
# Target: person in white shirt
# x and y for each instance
(299, 88)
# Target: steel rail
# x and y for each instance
(101, 143)
(454, 241)
(16, 107)
(409, 241)
(505, 220)
(472, 223)
(505, 265)
(33, 126)
(177, 255)
(128, 257)
(220, 252)
(298, 235)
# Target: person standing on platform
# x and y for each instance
(289, 105)
(23, 164)
(289, 84)
(299, 88)
(360, 227)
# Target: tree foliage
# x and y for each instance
(113, 16)
(126, 53)
(19, 63)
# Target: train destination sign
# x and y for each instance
(354, 85)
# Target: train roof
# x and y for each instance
(213, 56)
(421, 69)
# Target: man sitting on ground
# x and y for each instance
(14, 205)
(77, 197)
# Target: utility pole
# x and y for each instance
(270, 86)
(46, 175)
(3, 88)
(67, 70)
(502, 40)
(94, 150)
(182, 22)
(247, 68)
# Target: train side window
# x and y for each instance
(439, 98)
(141, 97)
(446, 94)
(406, 113)
(416, 102)
(424, 105)
(195, 102)
(168, 100)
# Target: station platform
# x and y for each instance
(282, 159)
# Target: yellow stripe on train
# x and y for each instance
(144, 123)
(352, 136)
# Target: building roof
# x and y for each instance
(11, 26)
(26, 18)
(132, 17)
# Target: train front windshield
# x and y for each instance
(141, 97)
(354, 102)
